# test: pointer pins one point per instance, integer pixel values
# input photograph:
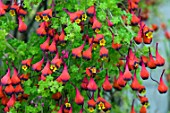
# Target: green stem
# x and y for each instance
(130, 30)
(10, 47)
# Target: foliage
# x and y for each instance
(41, 87)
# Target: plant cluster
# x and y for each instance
(82, 57)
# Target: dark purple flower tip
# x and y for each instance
(32, 102)
(42, 104)
(39, 97)
(35, 105)
(65, 53)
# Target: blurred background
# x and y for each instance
(159, 14)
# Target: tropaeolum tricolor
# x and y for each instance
(83, 66)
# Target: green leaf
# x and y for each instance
(103, 6)
(60, 89)
(28, 82)
(74, 68)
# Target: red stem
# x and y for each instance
(157, 46)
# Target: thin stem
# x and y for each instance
(162, 74)
(10, 47)
(153, 79)
(10, 35)
(130, 30)
(53, 4)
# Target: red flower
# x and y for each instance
(154, 27)
(15, 79)
(147, 34)
(42, 77)
(96, 25)
(144, 72)
(24, 76)
(91, 11)
(87, 54)
(4, 100)
(100, 101)
(59, 79)
(1, 92)
(57, 96)
(127, 74)
(144, 59)
(115, 84)
(138, 38)
(135, 84)
(73, 16)
(11, 101)
(14, 8)
(91, 71)
(22, 27)
(62, 37)
(77, 52)
(56, 61)
(142, 90)
(18, 89)
(132, 60)
(162, 88)
(108, 107)
(160, 61)
(56, 37)
(3, 8)
(92, 86)
(61, 109)
(9, 89)
(107, 86)
(91, 104)
(132, 5)
(37, 66)
(98, 38)
(143, 109)
(79, 13)
(151, 62)
(135, 20)
(64, 75)
(103, 52)
(45, 45)
(51, 32)
(41, 31)
(120, 81)
(26, 63)
(5, 80)
(6, 109)
(136, 1)
(46, 70)
(143, 100)
(21, 12)
(52, 48)
(84, 83)
(79, 99)
(47, 14)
